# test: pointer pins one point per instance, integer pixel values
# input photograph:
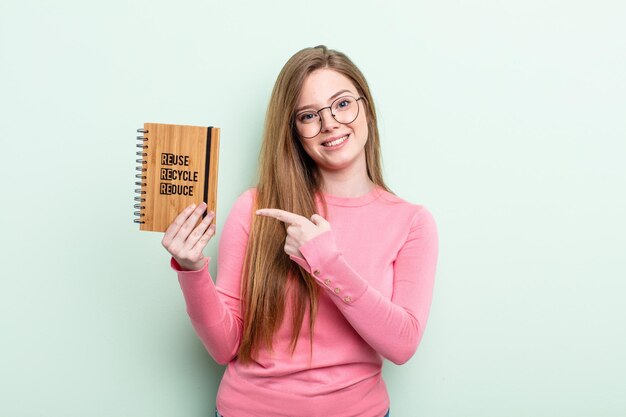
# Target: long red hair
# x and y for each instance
(289, 180)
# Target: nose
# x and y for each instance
(328, 121)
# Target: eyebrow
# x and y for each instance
(334, 96)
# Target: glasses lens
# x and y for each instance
(345, 109)
(308, 124)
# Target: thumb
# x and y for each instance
(319, 221)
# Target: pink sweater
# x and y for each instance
(377, 268)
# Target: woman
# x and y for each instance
(322, 271)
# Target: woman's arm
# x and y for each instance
(214, 309)
(393, 327)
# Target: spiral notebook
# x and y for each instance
(178, 167)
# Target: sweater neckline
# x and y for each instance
(353, 201)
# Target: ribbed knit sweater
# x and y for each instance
(376, 267)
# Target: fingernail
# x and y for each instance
(193, 206)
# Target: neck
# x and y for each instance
(349, 182)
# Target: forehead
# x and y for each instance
(321, 84)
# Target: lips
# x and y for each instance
(335, 141)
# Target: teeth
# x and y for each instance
(335, 142)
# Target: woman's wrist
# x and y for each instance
(190, 266)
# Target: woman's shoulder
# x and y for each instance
(240, 212)
(245, 201)
(248, 194)
(391, 199)
(401, 208)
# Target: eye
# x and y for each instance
(307, 117)
(343, 103)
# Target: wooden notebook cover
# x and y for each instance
(181, 165)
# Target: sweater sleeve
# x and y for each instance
(393, 327)
(214, 309)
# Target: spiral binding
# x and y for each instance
(141, 176)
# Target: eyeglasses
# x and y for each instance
(344, 110)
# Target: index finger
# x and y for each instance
(175, 226)
(282, 215)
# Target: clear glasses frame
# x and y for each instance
(319, 114)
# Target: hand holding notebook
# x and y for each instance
(185, 241)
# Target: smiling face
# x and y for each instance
(337, 146)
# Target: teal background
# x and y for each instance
(505, 119)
